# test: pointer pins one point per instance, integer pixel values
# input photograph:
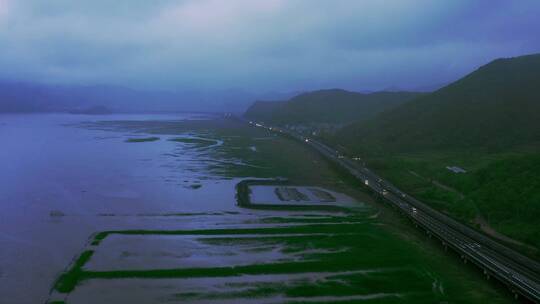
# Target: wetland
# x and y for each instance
(146, 209)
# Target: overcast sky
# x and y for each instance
(260, 45)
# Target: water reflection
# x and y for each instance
(56, 178)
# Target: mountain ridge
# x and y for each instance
(496, 106)
(335, 106)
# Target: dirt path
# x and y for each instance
(438, 184)
(487, 229)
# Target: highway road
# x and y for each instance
(519, 273)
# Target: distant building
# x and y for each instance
(456, 169)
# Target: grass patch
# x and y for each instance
(145, 139)
(197, 142)
(69, 279)
(314, 228)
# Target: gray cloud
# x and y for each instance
(260, 45)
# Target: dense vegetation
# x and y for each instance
(499, 190)
(327, 106)
(495, 107)
(488, 123)
(508, 195)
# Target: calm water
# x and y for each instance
(48, 166)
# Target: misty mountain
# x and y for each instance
(424, 89)
(262, 110)
(31, 97)
(495, 107)
(327, 106)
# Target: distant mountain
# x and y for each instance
(264, 110)
(32, 97)
(95, 110)
(327, 106)
(494, 107)
(425, 88)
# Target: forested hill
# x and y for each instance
(327, 106)
(495, 107)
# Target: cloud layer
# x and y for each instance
(260, 45)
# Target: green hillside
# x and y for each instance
(508, 193)
(495, 107)
(498, 189)
(327, 106)
(487, 123)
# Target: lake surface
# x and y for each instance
(58, 181)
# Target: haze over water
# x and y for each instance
(50, 168)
